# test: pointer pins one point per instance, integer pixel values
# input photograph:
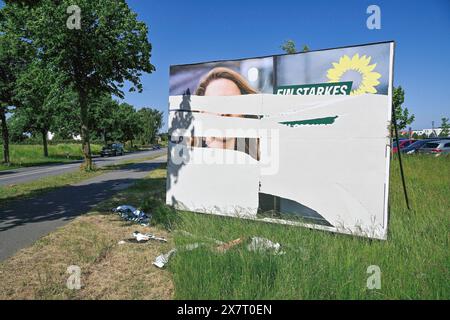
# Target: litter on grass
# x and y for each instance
(228, 245)
(130, 213)
(257, 244)
(162, 260)
(264, 245)
(140, 237)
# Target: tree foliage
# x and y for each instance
(114, 121)
(43, 96)
(150, 122)
(289, 47)
(402, 115)
(111, 48)
(14, 56)
(16, 128)
(445, 126)
(127, 123)
(104, 117)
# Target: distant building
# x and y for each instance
(428, 132)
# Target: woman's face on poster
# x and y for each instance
(221, 87)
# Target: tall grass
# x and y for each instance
(414, 261)
(31, 155)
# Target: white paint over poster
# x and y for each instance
(315, 159)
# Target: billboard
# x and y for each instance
(300, 139)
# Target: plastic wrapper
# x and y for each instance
(130, 213)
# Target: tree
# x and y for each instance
(111, 47)
(105, 118)
(127, 124)
(43, 96)
(150, 122)
(16, 128)
(66, 120)
(289, 47)
(445, 126)
(14, 56)
(121, 122)
(401, 114)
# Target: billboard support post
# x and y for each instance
(394, 119)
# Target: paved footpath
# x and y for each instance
(22, 222)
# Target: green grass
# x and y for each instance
(414, 261)
(32, 155)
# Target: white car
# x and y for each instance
(436, 147)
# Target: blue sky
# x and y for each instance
(204, 30)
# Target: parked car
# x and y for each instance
(156, 147)
(413, 147)
(115, 149)
(403, 144)
(436, 147)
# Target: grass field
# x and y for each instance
(414, 261)
(32, 155)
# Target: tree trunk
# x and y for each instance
(44, 142)
(5, 135)
(86, 146)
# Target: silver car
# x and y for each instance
(435, 147)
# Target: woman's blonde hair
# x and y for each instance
(224, 73)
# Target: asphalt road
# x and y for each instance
(15, 176)
(24, 221)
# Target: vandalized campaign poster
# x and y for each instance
(299, 139)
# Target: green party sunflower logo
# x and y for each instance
(358, 70)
